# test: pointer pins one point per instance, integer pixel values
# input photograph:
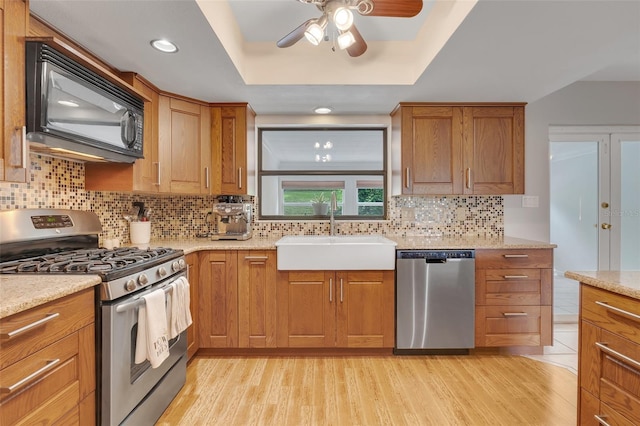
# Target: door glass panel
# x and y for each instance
(574, 205)
(629, 205)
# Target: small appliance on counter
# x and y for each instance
(232, 221)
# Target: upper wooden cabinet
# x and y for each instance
(14, 149)
(144, 175)
(449, 149)
(184, 133)
(232, 126)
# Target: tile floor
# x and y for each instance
(564, 351)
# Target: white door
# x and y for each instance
(595, 198)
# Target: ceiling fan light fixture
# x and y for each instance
(343, 18)
(346, 40)
(314, 33)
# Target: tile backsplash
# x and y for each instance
(58, 183)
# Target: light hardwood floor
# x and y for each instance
(393, 390)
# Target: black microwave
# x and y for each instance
(73, 112)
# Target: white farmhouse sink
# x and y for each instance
(338, 252)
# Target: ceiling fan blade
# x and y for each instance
(360, 46)
(294, 36)
(396, 8)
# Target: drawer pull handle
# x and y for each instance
(330, 289)
(515, 314)
(17, 385)
(600, 420)
(606, 349)
(515, 277)
(619, 311)
(263, 258)
(14, 333)
(515, 256)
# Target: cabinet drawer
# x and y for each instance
(512, 258)
(512, 325)
(620, 375)
(52, 370)
(615, 313)
(43, 325)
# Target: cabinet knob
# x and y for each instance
(606, 226)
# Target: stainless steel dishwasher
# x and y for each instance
(435, 301)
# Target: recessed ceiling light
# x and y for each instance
(322, 110)
(164, 46)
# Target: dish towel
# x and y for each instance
(152, 341)
(180, 307)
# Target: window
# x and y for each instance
(299, 169)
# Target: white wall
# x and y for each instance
(581, 103)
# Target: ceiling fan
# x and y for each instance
(339, 12)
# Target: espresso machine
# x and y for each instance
(232, 221)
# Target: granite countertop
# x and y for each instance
(19, 293)
(403, 243)
(626, 283)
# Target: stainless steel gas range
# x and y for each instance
(56, 241)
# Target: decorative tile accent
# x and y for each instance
(59, 183)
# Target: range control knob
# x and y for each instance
(143, 279)
(162, 271)
(130, 285)
(178, 265)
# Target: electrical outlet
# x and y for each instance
(530, 201)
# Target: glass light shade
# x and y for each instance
(343, 18)
(345, 40)
(314, 33)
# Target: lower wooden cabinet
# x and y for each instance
(237, 299)
(345, 309)
(514, 291)
(48, 373)
(609, 360)
(193, 272)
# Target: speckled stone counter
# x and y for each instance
(626, 283)
(19, 293)
(404, 243)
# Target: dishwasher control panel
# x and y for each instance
(435, 254)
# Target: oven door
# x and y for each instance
(133, 391)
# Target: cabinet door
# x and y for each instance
(431, 150)
(365, 309)
(218, 300)
(257, 299)
(493, 153)
(193, 272)
(306, 309)
(184, 134)
(14, 149)
(230, 125)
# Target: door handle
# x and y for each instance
(341, 291)
(330, 289)
(157, 163)
(407, 177)
(606, 226)
(240, 177)
(468, 178)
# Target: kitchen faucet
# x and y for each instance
(333, 207)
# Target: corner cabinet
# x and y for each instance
(14, 148)
(609, 358)
(343, 309)
(455, 149)
(232, 128)
(514, 291)
(48, 363)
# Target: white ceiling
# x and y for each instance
(506, 50)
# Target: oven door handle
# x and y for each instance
(138, 301)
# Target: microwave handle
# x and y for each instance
(128, 126)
